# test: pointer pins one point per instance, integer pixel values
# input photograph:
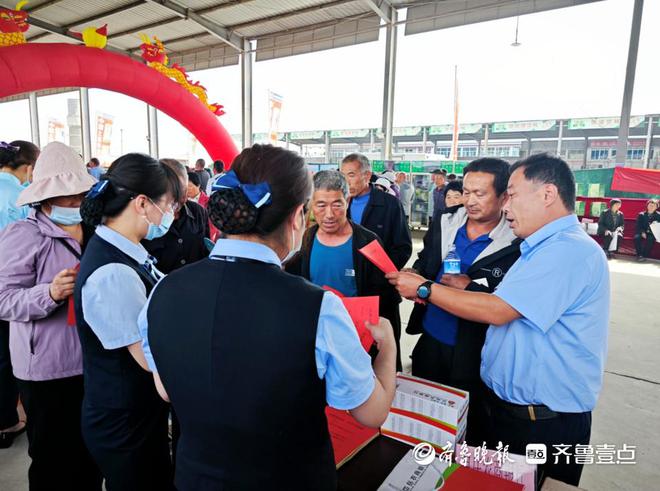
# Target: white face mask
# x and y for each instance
(295, 248)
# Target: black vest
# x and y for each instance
(113, 379)
(234, 343)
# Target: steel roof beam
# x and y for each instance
(63, 31)
(291, 13)
(382, 8)
(92, 18)
(169, 20)
(213, 28)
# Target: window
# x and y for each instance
(467, 151)
(444, 151)
(59, 119)
(600, 154)
(632, 154)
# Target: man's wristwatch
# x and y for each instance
(424, 290)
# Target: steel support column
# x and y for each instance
(152, 116)
(624, 124)
(246, 93)
(86, 126)
(388, 85)
(34, 119)
(560, 137)
(649, 139)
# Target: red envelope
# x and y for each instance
(361, 310)
(375, 253)
(71, 309)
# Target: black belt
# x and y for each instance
(531, 412)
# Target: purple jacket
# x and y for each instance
(42, 345)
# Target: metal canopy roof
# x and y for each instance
(210, 33)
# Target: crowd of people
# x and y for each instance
(150, 292)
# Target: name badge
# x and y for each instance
(349, 272)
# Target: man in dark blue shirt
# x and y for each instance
(449, 350)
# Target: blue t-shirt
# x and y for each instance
(358, 204)
(438, 322)
(333, 266)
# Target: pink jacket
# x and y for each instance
(42, 345)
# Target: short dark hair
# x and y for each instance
(194, 179)
(498, 168)
(130, 175)
(454, 186)
(365, 165)
(544, 168)
(17, 153)
(218, 166)
(290, 184)
(451, 177)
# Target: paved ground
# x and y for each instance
(627, 411)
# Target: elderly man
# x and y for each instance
(449, 349)
(544, 354)
(437, 193)
(329, 253)
(376, 211)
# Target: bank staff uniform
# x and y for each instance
(545, 369)
(124, 421)
(10, 188)
(250, 375)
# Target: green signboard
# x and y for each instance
(378, 166)
(448, 129)
(601, 123)
(360, 133)
(306, 135)
(516, 126)
(403, 166)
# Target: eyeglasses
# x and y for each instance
(172, 206)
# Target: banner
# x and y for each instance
(55, 131)
(631, 180)
(103, 134)
(601, 123)
(274, 110)
(516, 126)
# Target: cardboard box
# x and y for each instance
(409, 475)
(427, 411)
(514, 468)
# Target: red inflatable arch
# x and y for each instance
(38, 66)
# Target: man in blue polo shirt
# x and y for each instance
(449, 349)
(544, 355)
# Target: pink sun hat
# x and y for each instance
(59, 171)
